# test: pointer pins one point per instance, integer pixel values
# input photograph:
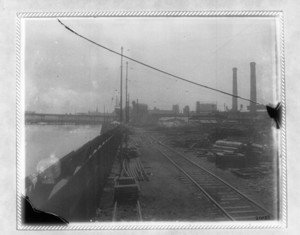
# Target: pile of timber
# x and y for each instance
(132, 165)
(227, 154)
(235, 154)
(134, 168)
(225, 146)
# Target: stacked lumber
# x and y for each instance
(225, 147)
(227, 154)
(134, 168)
(235, 153)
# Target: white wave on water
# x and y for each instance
(43, 143)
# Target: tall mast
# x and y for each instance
(121, 104)
(126, 107)
(104, 113)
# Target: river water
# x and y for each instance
(54, 141)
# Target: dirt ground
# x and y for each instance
(170, 196)
(263, 190)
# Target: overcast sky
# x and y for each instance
(65, 73)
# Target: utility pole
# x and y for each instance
(104, 114)
(121, 113)
(121, 101)
(137, 110)
(128, 97)
(126, 107)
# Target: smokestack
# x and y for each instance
(252, 87)
(234, 90)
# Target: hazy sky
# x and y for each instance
(64, 73)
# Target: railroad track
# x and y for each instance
(129, 212)
(231, 202)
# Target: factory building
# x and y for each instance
(205, 107)
(175, 109)
(139, 113)
(186, 110)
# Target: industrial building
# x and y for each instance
(205, 107)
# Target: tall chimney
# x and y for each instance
(252, 87)
(234, 90)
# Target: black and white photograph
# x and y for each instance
(150, 118)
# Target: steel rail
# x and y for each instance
(224, 182)
(115, 211)
(138, 211)
(199, 186)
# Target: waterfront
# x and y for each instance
(168, 152)
(43, 141)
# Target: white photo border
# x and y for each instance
(282, 221)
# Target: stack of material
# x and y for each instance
(227, 154)
(257, 148)
(126, 190)
(225, 146)
(134, 168)
(235, 152)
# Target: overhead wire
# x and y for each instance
(154, 68)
